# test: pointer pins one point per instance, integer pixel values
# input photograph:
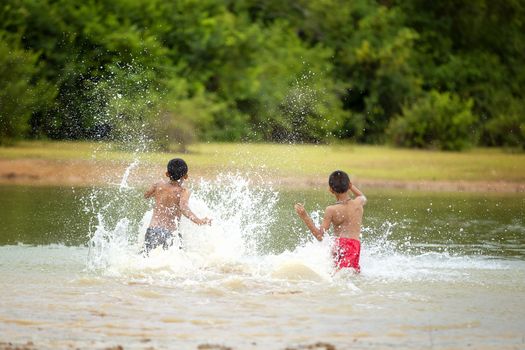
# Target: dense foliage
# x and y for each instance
(443, 74)
(438, 120)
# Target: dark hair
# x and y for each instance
(339, 181)
(177, 168)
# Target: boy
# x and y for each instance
(171, 201)
(346, 215)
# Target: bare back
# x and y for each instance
(167, 210)
(346, 217)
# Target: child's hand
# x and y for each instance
(299, 209)
(205, 221)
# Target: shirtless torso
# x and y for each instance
(346, 217)
(171, 202)
(167, 210)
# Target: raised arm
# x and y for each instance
(358, 194)
(317, 232)
(186, 211)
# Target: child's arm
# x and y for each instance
(186, 211)
(358, 194)
(317, 232)
(149, 193)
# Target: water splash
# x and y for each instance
(124, 182)
(242, 209)
(241, 212)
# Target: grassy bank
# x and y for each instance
(306, 161)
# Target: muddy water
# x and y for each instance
(439, 271)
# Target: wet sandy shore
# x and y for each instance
(31, 346)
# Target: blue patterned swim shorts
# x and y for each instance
(156, 236)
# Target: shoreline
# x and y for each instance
(85, 173)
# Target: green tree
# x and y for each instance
(372, 56)
(508, 127)
(20, 93)
(436, 120)
(473, 49)
(305, 70)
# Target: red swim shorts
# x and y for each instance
(346, 253)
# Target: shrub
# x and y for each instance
(436, 120)
(21, 93)
(506, 130)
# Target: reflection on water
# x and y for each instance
(412, 222)
(439, 271)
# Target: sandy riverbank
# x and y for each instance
(40, 172)
(315, 346)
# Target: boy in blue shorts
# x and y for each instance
(171, 202)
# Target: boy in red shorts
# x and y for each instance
(346, 215)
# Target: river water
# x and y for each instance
(439, 271)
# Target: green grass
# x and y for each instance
(366, 162)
